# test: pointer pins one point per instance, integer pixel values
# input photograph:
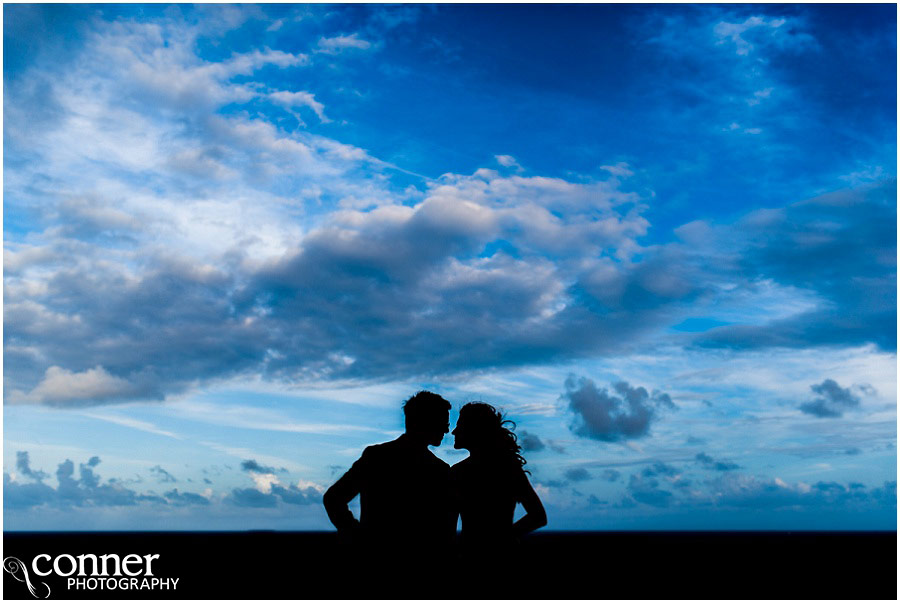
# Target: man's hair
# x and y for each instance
(423, 407)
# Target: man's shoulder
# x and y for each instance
(390, 449)
(380, 450)
(397, 449)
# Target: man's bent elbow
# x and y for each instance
(332, 503)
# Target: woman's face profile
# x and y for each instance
(459, 434)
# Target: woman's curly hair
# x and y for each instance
(487, 425)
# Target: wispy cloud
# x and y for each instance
(248, 417)
(245, 453)
(300, 99)
(133, 423)
(337, 44)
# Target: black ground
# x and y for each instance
(549, 565)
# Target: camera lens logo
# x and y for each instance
(20, 572)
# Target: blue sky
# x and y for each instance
(662, 238)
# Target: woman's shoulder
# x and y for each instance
(496, 468)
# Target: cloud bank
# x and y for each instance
(184, 233)
(27, 489)
(85, 490)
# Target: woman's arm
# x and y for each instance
(535, 517)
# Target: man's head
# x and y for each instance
(427, 417)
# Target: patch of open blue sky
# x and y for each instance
(237, 233)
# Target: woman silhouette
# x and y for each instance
(490, 482)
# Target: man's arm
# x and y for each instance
(338, 497)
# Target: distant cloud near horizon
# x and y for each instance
(87, 490)
(162, 475)
(577, 474)
(176, 498)
(610, 475)
(709, 463)
(647, 490)
(23, 465)
(659, 468)
(292, 495)
(252, 466)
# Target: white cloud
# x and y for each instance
(264, 481)
(304, 484)
(760, 95)
(96, 385)
(762, 33)
(508, 161)
(734, 32)
(339, 43)
(620, 169)
(18, 256)
(866, 174)
(139, 142)
(300, 99)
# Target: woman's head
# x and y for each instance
(481, 429)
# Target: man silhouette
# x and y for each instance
(406, 513)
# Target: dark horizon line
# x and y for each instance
(542, 531)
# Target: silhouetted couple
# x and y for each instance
(410, 499)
